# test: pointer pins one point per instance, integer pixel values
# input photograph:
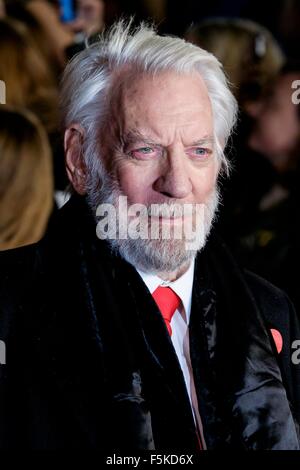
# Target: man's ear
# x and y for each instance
(75, 165)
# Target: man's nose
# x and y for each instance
(174, 180)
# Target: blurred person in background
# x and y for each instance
(30, 85)
(248, 52)
(17, 10)
(89, 16)
(276, 133)
(88, 24)
(26, 182)
(47, 12)
(270, 237)
(25, 72)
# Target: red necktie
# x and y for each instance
(167, 302)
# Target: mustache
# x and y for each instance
(171, 209)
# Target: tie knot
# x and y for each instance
(168, 302)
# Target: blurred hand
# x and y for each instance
(90, 16)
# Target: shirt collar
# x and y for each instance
(183, 286)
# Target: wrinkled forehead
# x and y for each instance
(142, 100)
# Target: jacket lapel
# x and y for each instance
(203, 337)
(160, 353)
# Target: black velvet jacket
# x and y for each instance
(89, 362)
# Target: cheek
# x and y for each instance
(205, 182)
(134, 182)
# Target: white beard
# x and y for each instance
(152, 255)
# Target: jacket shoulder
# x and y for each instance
(273, 302)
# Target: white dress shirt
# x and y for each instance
(183, 287)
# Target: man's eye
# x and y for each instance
(143, 152)
(200, 151)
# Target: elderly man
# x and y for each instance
(129, 326)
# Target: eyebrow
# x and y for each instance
(134, 135)
(204, 141)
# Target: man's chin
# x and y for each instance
(156, 255)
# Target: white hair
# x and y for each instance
(88, 78)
